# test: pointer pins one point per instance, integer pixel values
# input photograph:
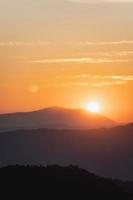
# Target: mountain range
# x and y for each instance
(56, 182)
(54, 118)
(107, 152)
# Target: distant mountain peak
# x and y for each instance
(55, 117)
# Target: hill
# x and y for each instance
(106, 152)
(55, 118)
(60, 183)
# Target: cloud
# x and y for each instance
(102, 1)
(81, 60)
(24, 43)
(123, 53)
(99, 80)
(108, 83)
(89, 80)
(103, 78)
(80, 57)
(63, 60)
(84, 84)
(122, 42)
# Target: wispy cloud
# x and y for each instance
(108, 83)
(105, 54)
(84, 84)
(102, 1)
(63, 60)
(51, 43)
(103, 43)
(99, 77)
(84, 81)
(24, 43)
(47, 43)
(80, 60)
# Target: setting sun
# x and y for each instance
(93, 107)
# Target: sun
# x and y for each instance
(93, 107)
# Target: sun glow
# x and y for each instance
(93, 107)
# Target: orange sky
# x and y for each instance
(66, 53)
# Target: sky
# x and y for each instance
(67, 53)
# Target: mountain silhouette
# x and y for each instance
(58, 182)
(107, 152)
(54, 117)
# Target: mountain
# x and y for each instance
(107, 152)
(55, 182)
(56, 118)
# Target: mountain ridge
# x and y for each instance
(54, 117)
(105, 151)
(64, 182)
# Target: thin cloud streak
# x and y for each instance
(104, 43)
(103, 78)
(101, 1)
(84, 81)
(80, 60)
(85, 84)
(47, 43)
(24, 43)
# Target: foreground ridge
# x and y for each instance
(62, 182)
